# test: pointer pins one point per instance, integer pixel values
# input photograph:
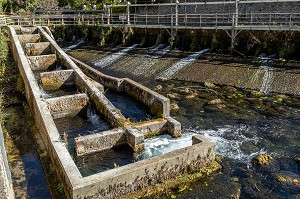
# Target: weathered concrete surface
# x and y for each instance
(6, 185)
(61, 159)
(67, 106)
(26, 30)
(152, 128)
(42, 62)
(56, 79)
(174, 127)
(99, 141)
(30, 38)
(127, 179)
(41, 48)
(135, 139)
(106, 80)
(158, 104)
(115, 182)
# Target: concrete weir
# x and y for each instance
(91, 83)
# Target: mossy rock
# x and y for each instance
(158, 87)
(172, 95)
(283, 179)
(230, 89)
(174, 107)
(256, 93)
(209, 85)
(262, 159)
(192, 96)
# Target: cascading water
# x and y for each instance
(75, 45)
(265, 65)
(167, 74)
(156, 53)
(92, 117)
(163, 144)
(109, 59)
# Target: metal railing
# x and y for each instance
(254, 21)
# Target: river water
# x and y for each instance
(241, 122)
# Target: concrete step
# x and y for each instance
(67, 106)
(29, 38)
(42, 62)
(56, 79)
(41, 48)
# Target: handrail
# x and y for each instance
(247, 20)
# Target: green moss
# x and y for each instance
(152, 134)
(21, 85)
(177, 185)
(262, 159)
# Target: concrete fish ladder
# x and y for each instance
(118, 181)
(170, 72)
(109, 59)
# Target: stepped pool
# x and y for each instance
(243, 123)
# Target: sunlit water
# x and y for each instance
(247, 125)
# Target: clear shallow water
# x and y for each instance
(89, 123)
(245, 125)
(130, 107)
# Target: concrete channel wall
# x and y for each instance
(6, 184)
(115, 182)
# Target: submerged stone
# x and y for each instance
(174, 107)
(192, 96)
(215, 102)
(256, 93)
(172, 95)
(262, 159)
(158, 88)
(209, 85)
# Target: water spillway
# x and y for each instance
(87, 107)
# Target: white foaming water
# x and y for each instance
(159, 52)
(164, 144)
(43, 93)
(77, 43)
(92, 117)
(267, 79)
(109, 59)
(229, 142)
(167, 74)
(265, 65)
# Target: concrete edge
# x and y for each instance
(68, 171)
(6, 189)
(150, 171)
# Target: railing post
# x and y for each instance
(146, 17)
(251, 19)
(108, 15)
(270, 18)
(176, 13)
(216, 20)
(128, 13)
(236, 12)
(290, 23)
